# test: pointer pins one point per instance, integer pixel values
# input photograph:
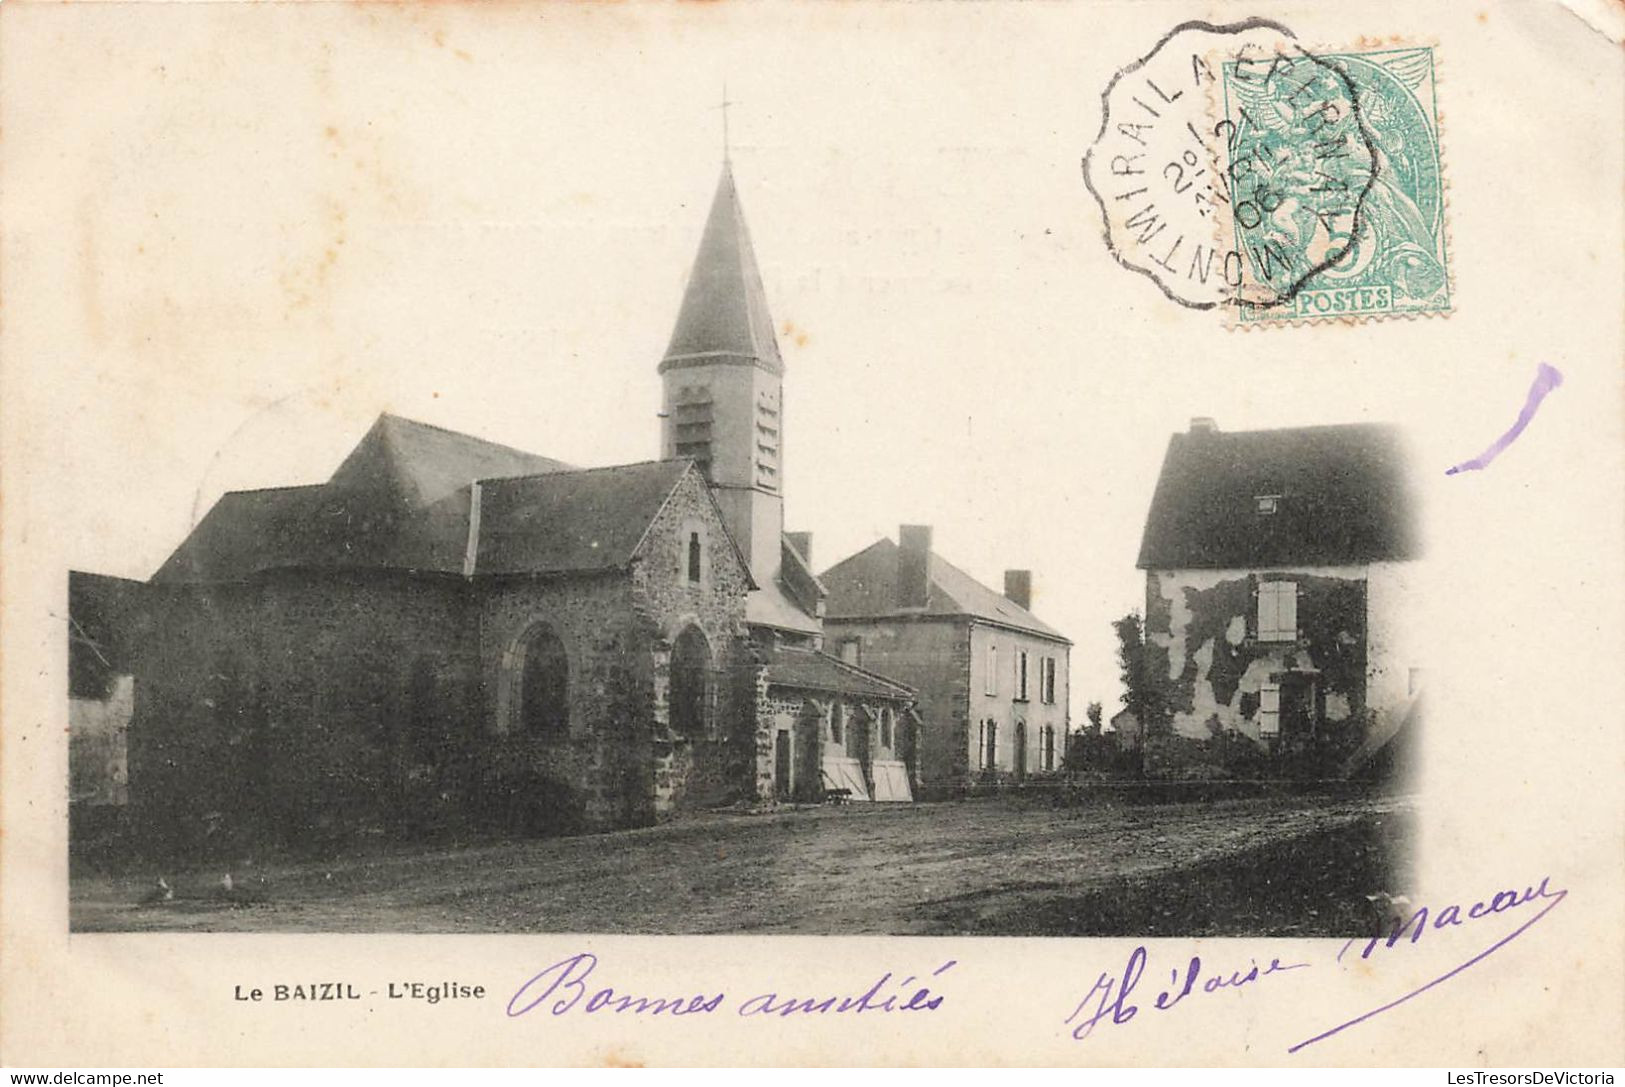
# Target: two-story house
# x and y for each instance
(990, 677)
(1277, 568)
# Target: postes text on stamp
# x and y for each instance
(1388, 256)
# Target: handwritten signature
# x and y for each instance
(567, 981)
(1120, 1011)
(1449, 917)
(1110, 992)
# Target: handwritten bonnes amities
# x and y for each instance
(568, 987)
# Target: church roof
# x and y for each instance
(864, 586)
(771, 606)
(1339, 495)
(402, 500)
(561, 521)
(421, 464)
(724, 316)
(814, 670)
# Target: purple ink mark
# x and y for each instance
(1556, 897)
(1547, 378)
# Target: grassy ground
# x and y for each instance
(996, 866)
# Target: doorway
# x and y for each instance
(783, 784)
(1300, 717)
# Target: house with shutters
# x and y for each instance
(449, 630)
(1278, 569)
(991, 678)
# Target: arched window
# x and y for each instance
(691, 687)
(544, 682)
(693, 543)
(695, 551)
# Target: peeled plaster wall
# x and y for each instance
(1201, 621)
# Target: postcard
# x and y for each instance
(1082, 534)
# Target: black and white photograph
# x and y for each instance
(1087, 533)
(399, 698)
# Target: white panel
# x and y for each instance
(891, 782)
(1269, 711)
(845, 773)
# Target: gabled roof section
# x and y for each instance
(814, 670)
(572, 521)
(399, 501)
(864, 586)
(724, 316)
(247, 532)
(420, 464)
(800, 584)
(771, 606)
(1341, 496)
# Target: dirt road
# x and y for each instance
(1295, 865)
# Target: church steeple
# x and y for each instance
(722, 377)
(724, 316)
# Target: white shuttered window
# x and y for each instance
(1278, 611)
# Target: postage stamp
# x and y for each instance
(1238, 170)
(1388, 257)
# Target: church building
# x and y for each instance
(450, 632)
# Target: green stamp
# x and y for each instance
(1337, 205)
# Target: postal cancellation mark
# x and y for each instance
(1234, 168)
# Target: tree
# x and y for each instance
(1093, 712)
(1145, 686)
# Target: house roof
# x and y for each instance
(402, 501)
(724, 315)
(814, 670)
(1343, 497)
(864, 586)
(564, 521)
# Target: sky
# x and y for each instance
(482, 218)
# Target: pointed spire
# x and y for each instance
(724, 315)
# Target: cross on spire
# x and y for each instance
(723, 106)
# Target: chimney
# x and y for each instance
(1203, 424)
(913, 566)
(802, 542)
(1018, 588)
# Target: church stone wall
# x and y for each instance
(322, 706)
(258, 707)
(588, 775)
(725, 765)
